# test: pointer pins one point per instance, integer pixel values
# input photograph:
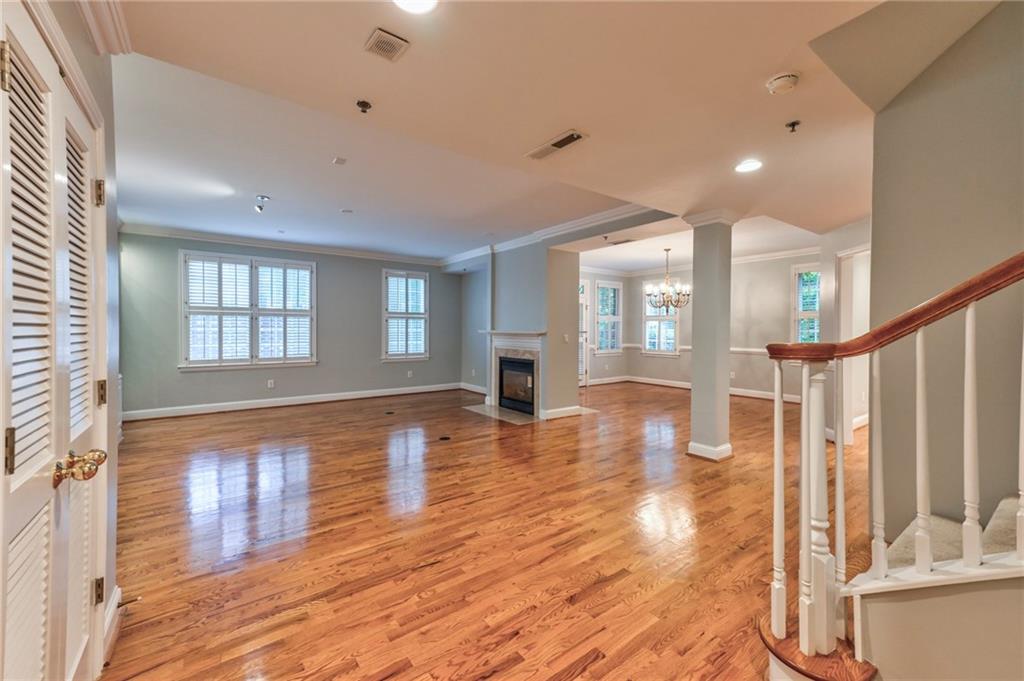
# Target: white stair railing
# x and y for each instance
(972, 488)
(923, 531)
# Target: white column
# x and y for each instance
(972, 489)
(923, 531)
(839, 423)
(1020, 468)
(779, 515)
(709, 394)
(823, 568)
(804, 575)
(879, 561)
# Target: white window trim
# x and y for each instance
(385, 315)
(794, 314)
(598, 285)
(644, 318)
(253, 362)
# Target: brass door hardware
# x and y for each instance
(76, 467)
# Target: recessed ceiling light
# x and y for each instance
(748, 165)
(347, 211)
(416, 6)
(339, 161)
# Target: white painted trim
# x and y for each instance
(794, 314)
(618, 213)
(685, 385)
(493, 332)
(107, 26)
(599, 270)
(74, 77)
(712, 217)
(860, 421)
(708, 452)
(241, 405)
(606, 381)
(192, 235)
(562, 412)
(741, 260)
(473, 388)
(994, 566)
(466, 255)
(386, 316)
(112, 621)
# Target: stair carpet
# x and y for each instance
(999, 536)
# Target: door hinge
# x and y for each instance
(5, 66)
(9, 450)
(100, 192)
(97, 591)
(101, 392)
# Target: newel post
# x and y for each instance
(823, 567)
(779, 515)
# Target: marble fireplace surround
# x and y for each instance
(517, 345)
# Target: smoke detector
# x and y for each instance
(781, 83)
(556, 144)
(386, 44)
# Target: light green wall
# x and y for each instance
(947, 204)
(561, 344)
(475, 302)
(348, 331)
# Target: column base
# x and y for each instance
(719, 453)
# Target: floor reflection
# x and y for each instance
(660, 450)
(407, 492)
(664, 516)
(233, 508)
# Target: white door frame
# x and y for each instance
(105, 619)
(842, 260)
(586, 332)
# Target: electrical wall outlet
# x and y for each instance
(409, 374)
(270, 384)
(732, 374)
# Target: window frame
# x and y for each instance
(252, 311)
(644, 318)
(795, 315)
(598, 317)
(386, 315)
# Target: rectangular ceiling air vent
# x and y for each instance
(385, 44)
(557, 144)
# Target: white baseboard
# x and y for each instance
(860, 421)
(708, 452)
(562, 412)
(685, 385)
(473, 388)
(111, 622)
(240, 405)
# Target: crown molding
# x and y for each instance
(175, 233)
(107, 25)
(466, 255)
(719, 216)
(617, 213)
(742, 260)
(602, 270)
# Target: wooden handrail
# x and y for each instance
(994, 279)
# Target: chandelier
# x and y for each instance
(667, 295)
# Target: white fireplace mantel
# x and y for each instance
(518, 344)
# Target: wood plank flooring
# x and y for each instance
(347, 540)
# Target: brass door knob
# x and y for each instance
(76, 467)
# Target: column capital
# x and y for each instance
(718, 216)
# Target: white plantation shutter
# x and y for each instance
(32, 356)
(79, 253)
(405, 314)
(242, 310)
(609, 316)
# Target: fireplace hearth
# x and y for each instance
(516, 384)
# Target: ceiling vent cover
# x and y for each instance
(556, 144)
(387, 45)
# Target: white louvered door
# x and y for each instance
(47, 381)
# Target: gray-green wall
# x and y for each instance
(947, 204)
(348, 331)
(475, 303)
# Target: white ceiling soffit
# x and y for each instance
(880, 52)
(671, 95)
(752, 239)
(193, 152)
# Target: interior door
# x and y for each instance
(46, 559)
(584, 336)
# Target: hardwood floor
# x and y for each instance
(347, 540)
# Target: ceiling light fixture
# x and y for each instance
(748, 165)
(667, 295)
(261, 202)
(416, 6)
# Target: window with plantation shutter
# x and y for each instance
(609, 316)
(406, 326)
(241, 311)
(806, 322)
(660, 325)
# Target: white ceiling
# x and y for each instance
(193, 152)
(750, 237)
(671, 94)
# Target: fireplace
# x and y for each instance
(516, 384)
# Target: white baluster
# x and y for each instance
(879, 561)
(779, 516)
(1020, 469)
(839, 423)
(923, 531)
(804, 604)
(972, 490)
(823, 566)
